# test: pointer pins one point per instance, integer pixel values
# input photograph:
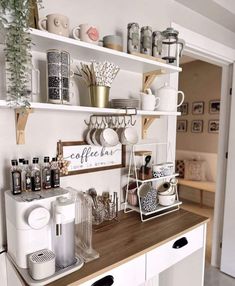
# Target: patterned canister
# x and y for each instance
(133, 38)
(157, 44)
(146, 40)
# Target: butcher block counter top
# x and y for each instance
(129, 239)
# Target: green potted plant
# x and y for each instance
(14, 17)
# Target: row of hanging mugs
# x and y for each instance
(109, 131)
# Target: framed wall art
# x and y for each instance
(214, 106)
(197, 126)
(182, 125)
(213, 126)
(183, 108)
(198, 108)
(83, 158)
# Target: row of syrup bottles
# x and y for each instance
(34, 177)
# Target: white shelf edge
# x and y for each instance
(155, 179)
(87, 109)
(159, 209)
(100, 49)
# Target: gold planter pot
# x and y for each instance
(99, 96)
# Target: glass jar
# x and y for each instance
(146, 40)
(133, 38)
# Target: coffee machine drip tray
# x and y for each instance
(58, 274)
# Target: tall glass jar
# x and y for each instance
(133, 38)
(146, 40)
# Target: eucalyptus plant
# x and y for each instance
(14, 16)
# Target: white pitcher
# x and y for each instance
(169, 98)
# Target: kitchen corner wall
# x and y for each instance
(45, 128)
(200, 82)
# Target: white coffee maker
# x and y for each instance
(29, 220)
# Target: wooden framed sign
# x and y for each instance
(84, 158)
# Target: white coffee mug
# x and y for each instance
(86, 33)
(149, 101)
(168, 98)
(55, 23)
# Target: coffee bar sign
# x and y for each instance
(85, 158)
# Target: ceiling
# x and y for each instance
(219, 11)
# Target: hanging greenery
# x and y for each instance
(14, 16)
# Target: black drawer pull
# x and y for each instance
(180, 243)
(106, 281)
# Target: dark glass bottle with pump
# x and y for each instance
(36, 175)
(55, 174)
(26, 177)
(46, 174)
(15, 178)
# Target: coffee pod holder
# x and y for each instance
(145, 190)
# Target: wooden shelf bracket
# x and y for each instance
(146, 123)
(149, 77)
(21, 116)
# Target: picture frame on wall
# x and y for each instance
(182, 125)
(198, 107)
(214, 106)
(183, 108)
(213, 126)
(197, 126)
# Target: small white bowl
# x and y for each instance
(166, 200)
(109, 138)
(166, 189)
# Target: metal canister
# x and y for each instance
(146, 40)
(133, 38)
(157, 44)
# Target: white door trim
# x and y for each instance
(219, 54)
(201, 45)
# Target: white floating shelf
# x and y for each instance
(159, 208)
(155, 179)
(43, 41)
(87, 109)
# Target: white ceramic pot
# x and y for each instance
(166, 200)
(169, 98)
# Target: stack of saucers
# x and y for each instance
(125, 103)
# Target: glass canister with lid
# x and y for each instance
(146, 40)
(133, 38)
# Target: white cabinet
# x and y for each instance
(173, 251)
(131, 273)
(179, 262)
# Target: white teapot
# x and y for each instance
(168, 98)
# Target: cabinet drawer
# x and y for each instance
(173, 251)
(131, 273)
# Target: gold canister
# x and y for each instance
(99, 96)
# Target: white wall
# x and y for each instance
(45, 128)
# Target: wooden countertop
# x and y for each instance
(129, 239)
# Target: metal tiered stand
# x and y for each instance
(133, 177)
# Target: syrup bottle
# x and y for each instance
(55, 174)
(46, 174)
(15, 178)
(36, 175)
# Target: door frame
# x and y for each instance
(203, 48)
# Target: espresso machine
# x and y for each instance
(39, 227)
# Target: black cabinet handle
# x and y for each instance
(106, 281)
(180, 243)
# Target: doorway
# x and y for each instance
(197, 138)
